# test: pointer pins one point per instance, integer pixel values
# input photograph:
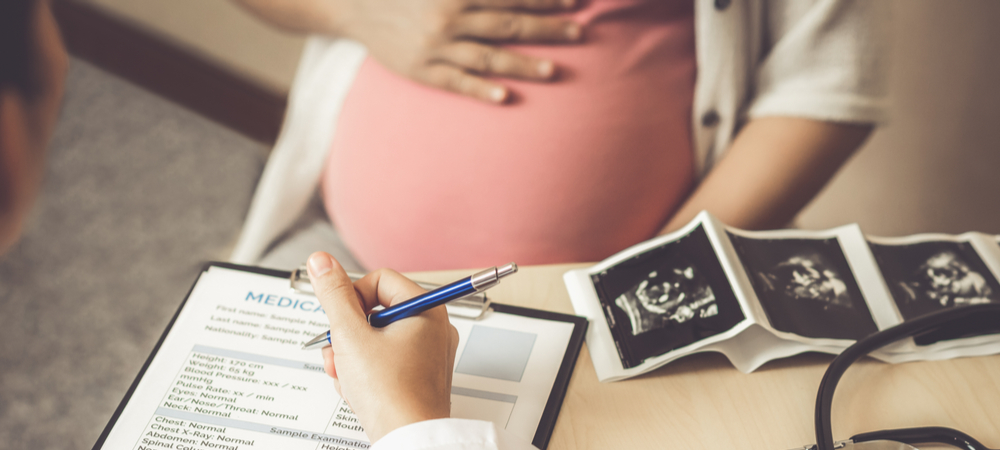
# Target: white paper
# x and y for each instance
(231, 374)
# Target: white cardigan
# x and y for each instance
(820, 59)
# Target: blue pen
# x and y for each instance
(478, 282)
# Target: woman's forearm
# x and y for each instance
(775, 166)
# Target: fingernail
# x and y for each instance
(545, 68)
(319, 264)
(573, 31)
(498, 94)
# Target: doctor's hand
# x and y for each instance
(452, 44)
(391, 376)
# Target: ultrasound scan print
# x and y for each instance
(806, 286)
(675, 295)
(667, 297)
(807, 278)
(948, 281)
(929, 276)
(925, 277)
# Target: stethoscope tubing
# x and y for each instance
(824, 399)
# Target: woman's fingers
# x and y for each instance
(489, 60)
(537, 5)
(510, 26)
(452, 44)
(461, 56)
(451, 78)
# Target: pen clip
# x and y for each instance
(475, 306)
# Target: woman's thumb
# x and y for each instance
(335, 292)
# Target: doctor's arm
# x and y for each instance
(397, 379)
(774, 167)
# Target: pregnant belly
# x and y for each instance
(575, 170)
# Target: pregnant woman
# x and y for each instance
(542, 131)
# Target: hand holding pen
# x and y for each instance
(465, 287)
(391, 376)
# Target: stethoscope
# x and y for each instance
(976, 319)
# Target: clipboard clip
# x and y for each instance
(475, 306)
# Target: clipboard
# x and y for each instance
(191, 379)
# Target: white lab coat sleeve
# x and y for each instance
(823, 59)
(451, 434)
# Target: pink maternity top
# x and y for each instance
(573, 170)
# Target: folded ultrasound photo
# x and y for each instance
(755, 296)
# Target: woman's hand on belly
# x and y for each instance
(452, 44)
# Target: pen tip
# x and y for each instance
(316, 342)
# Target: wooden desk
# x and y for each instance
(702, 402)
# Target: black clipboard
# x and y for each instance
(549, 415)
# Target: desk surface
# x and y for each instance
(701, 401)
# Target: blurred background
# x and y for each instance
(171, 109)
(930, 170)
